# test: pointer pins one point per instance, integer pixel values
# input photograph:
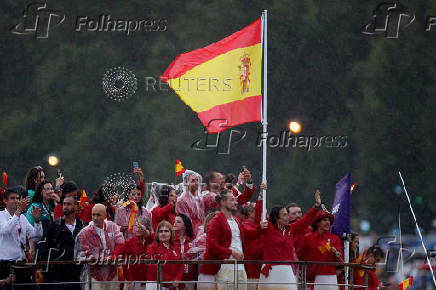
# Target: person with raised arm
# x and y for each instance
(278, 237)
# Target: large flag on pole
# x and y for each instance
(222, 82)
(341, 206)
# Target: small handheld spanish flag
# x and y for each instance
(352, 188)
(405, 284)
(179, 168)
(5, 178)
(83, 197)
(39, 278)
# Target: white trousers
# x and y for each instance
(279, 274)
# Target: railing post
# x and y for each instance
(159, 275)
(352, 277)
(11, 270)
(366, 278)
(89, 277)
(303, 276)
(235, 274)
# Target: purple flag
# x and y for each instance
(341, 206)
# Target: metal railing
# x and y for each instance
(302, 282)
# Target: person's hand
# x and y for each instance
(238, 256)
(59, 181)
(36, 213)
(317, 198)
(247, 175)
(241, 178)
(262, 187)
(139, 172)
(335, 252)
(264, 225)
(23, 204)
(11, 278)
(55, 197)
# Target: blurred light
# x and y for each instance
(398, 189)
(294, 127)
(53, 160)
(418, 200)
(365, 225)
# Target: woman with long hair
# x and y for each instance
(184, 238)
(164, 248)
(44, 199)
(128, 212)
(34, 176)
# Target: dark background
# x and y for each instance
(322, 72)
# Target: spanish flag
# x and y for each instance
(5, 178)
(405, 284)
(179, 168)
(222, 82)
(83, 197)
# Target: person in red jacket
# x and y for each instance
(225, 240)
(184, 238)
(164, 248)
(370, 257)
(322, 246)
(136, 248)
(215, 182)
(253, 242)
(278, 237)
(165, 209)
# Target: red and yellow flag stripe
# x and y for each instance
(222, 81)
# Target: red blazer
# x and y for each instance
(137, 250)
(159, 214)
(218, 241)
(254, 244)
(313, 247)
(170, 272)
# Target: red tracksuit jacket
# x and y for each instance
(170, 272)
(254, 244)
(278, 244)
(218, 241)
(313, 247)
(159, 214)
(137, 250)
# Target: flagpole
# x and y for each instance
(264, 116)
(418, 230)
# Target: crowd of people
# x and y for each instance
(194, 221)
